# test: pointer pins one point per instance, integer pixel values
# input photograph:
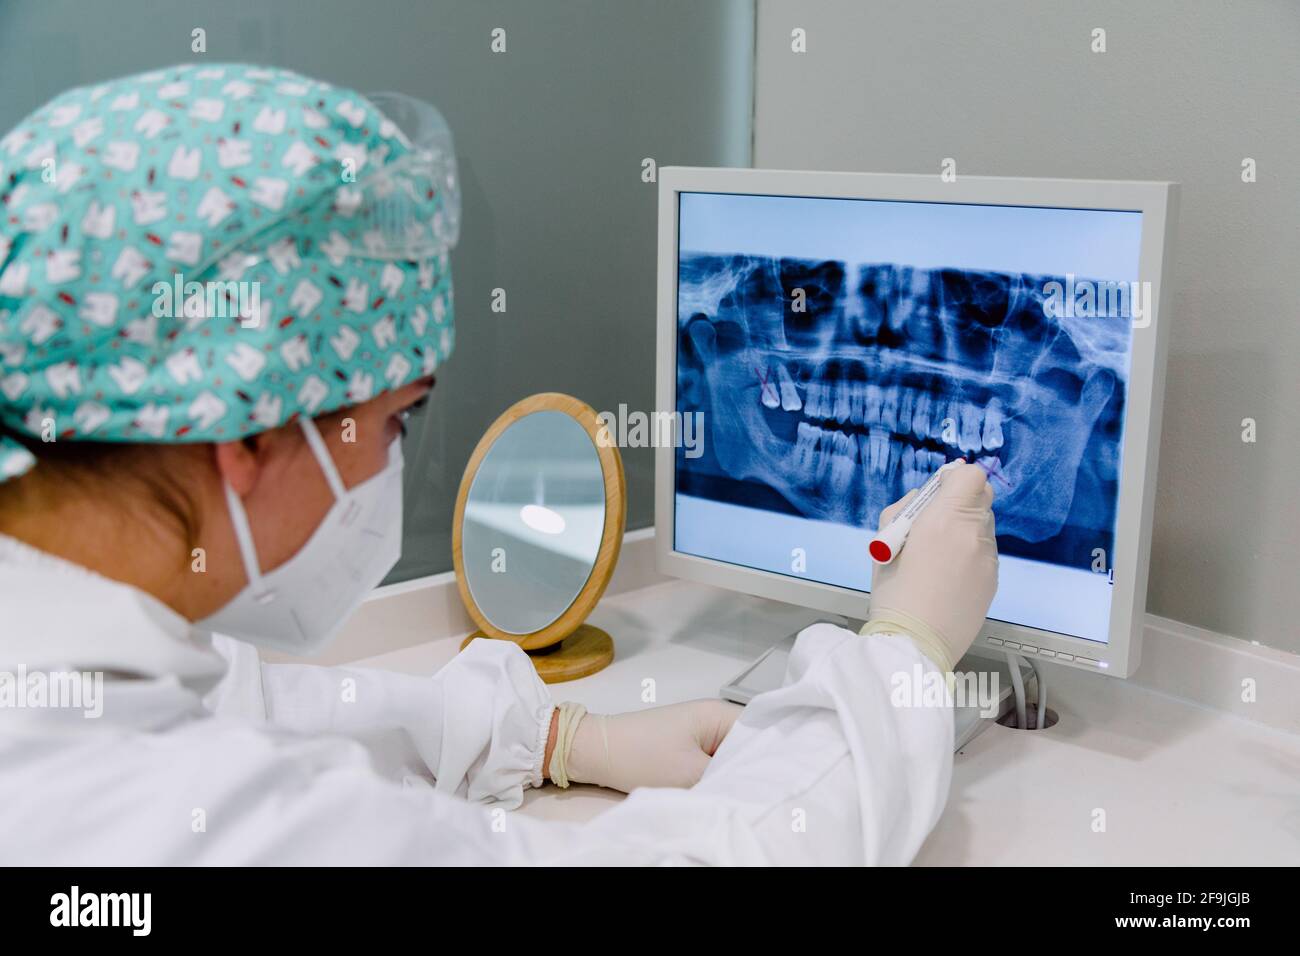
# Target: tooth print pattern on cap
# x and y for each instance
(169, 173)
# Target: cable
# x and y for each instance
(1018, 685)
(1042, 695)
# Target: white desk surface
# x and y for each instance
(1179, 784)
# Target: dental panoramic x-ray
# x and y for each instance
(842, 350)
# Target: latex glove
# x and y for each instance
(666, 746)
(939, 588)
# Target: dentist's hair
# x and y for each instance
(145, 481)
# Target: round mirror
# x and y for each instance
(537, 531)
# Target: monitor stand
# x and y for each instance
(768, 672)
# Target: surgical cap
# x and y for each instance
(239, 177)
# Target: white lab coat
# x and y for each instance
(204, 755)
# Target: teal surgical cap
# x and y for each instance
(202, 253)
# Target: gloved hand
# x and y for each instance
(666, 746)
(939, 588)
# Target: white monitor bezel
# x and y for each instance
(1142, 414)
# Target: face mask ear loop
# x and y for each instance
(244, 535)
(323, 458)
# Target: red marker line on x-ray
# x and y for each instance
(990, 465)
(762, 379)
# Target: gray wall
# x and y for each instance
(550, 135)
(1184, 92)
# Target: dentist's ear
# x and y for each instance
(241, 462)
(236, 465)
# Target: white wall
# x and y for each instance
(1185, 91)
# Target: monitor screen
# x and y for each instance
(835, 352)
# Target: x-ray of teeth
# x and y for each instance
(831, 388)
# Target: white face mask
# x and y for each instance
(302, 604)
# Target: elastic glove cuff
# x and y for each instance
(926, 639)
(570, 715)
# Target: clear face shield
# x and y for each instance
(408, 209)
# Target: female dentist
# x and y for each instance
(222, 288)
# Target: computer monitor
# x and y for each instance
(831, 339)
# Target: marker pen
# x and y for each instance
(889, 541)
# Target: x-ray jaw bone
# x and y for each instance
(842, 407)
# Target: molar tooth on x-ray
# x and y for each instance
(789, 394)
(901, 369)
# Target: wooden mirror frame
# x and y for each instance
(589, 649)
